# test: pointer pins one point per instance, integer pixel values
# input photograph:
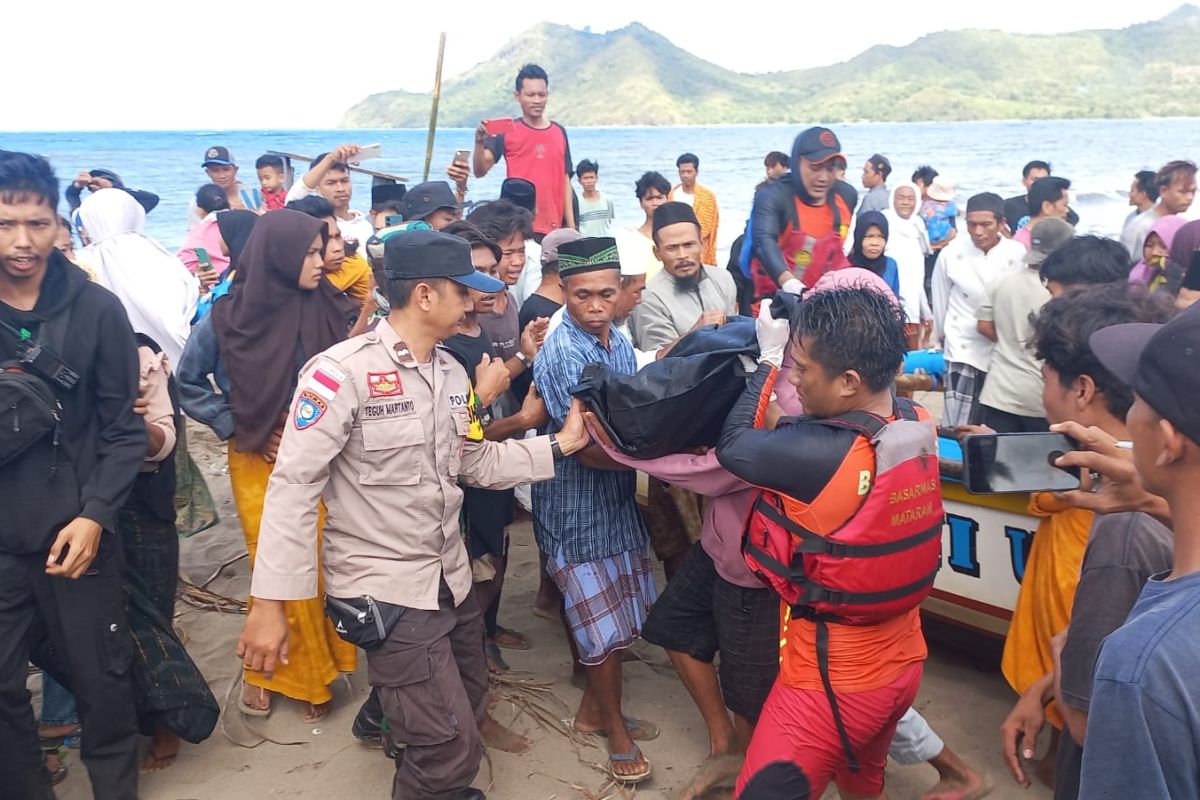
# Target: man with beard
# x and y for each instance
(685, 293)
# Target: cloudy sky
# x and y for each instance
(137, 65)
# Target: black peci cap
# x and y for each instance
(520, 192)
(388, 194)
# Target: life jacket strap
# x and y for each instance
(815, 543)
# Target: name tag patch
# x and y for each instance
(384, 384)
(309, 409)
(392, 408)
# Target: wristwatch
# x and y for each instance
(556, 448)
(524, 359)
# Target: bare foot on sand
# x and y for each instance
(163, 750)
(971, 787)
(316, 712)
(498, 737)
(715, 769)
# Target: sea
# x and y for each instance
(1098, 156)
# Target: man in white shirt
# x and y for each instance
(685, 294)
(329, 177)
(1143, 194)
(964, 269)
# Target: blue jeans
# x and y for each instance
(58, 705)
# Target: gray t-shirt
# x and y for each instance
(1123, 551)
(1143, 735)
(1014, 381)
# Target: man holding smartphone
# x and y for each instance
(329, 177)
(536, 149)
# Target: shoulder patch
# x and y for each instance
(309, 409)
(325, 380)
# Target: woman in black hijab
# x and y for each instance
(280, 312)
(870, 239)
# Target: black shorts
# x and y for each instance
(486, 514)
(700, 614)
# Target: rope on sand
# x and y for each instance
(199, 596)
(536, 699)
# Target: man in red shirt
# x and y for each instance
(536, 149)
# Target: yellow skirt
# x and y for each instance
(316, 654)
(1047, 594)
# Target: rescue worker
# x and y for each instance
(382, 429)
(847, 530)
(799, 224)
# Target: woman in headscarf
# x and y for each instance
(280, 313)
(158, 293)
(870, 242)
(1151, 270)
(908, 245)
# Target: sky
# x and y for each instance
(250, 64)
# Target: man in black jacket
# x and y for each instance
(61, 601)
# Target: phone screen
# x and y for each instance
(1017, 462)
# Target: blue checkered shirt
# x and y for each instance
(585, 513)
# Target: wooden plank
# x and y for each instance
(353, 168)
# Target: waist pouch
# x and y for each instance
(362, 621)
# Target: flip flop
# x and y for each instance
(250, 711)
(632, 755)
(522, 640)
(639, 729)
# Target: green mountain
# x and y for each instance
(634, 76)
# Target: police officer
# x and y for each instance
(382, 429)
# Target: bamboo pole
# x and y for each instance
(437, 96)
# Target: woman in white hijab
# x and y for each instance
(908, 244)
(158, 292)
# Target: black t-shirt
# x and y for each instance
(469, 350)
(536, 306)
(1123, 551)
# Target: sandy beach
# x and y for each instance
(962, 695)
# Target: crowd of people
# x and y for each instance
(395, 387)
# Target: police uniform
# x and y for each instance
(384, 441)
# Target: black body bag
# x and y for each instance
(362, 621)
(679, 402)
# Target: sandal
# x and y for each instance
(625, 758)
(516, 639)
(251, 711)
(639, 729)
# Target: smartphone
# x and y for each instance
(999, 463)
(462, 156)
(204, 260)
(497, 127)
(368, 151)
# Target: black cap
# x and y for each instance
(588, 255)
(817, 145)
(671, 213)
(108, 175)
(520, 192)
(881, 164)
(425, 198)
(384, 194)
(218, 155)
(986, 201)
(430, 254)
(1159, 362)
